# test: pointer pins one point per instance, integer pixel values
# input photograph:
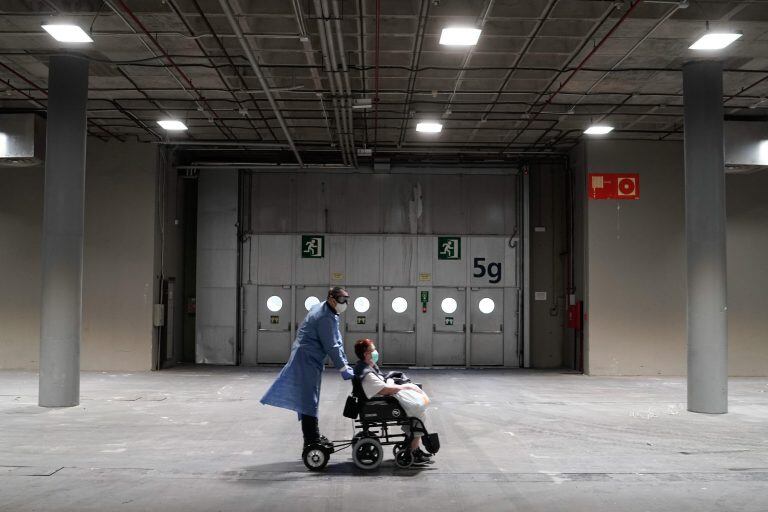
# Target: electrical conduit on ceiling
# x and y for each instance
(262, 81)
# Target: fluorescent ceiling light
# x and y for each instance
(714, 41)
(172, 125)
(429, 127)
(460, 36)
(68, 33)
(598, 129)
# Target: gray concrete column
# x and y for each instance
(705, 237)
(63, 209)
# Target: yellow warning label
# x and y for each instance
(338, 276)
(425, 276)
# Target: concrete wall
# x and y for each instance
(634, 265)
(118, 281)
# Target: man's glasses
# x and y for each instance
(342, 299)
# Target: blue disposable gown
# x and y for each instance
(297, 387)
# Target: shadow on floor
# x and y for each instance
(295, 470)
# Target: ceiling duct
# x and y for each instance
(22, 140)
(746, 146)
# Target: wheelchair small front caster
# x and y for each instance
(404, 458)
(397, 447)
(315, 457)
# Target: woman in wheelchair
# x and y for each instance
(375, 383)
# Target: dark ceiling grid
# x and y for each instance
(573, 72)
(641, 107)
(225, 83)
(199, 99)
(418, 42)
(529, 41)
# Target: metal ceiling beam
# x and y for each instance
(257, 71)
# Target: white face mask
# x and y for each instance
(340, 308)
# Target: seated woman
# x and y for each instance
(374, 383)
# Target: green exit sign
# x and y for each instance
(312, 246)
(448, 248)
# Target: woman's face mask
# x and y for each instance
(340, 308)
(375, 356)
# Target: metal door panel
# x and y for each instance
(361, 324)
(302, 294)
(449, 327)
(487, 329)
(274, 327)
(398, 345)
(250, 322)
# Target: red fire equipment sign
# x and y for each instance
(614, 186)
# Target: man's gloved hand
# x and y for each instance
(347, 373)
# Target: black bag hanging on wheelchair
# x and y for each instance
(351, 407)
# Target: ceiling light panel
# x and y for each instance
(460, 36)
(429, 127)
(67, 33)
(715, 41)
(598, 129)
(172, 125)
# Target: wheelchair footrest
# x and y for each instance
(431, 442)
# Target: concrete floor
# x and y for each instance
(196, 439)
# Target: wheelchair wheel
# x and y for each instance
(404, 458)
(357, 438)
(367, 453)
(397, 447)
(315, 457)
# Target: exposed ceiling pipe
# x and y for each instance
(262, 81)
(309, 54)
(376, 54)
(415, 58)
(345, 71)
(331, 82)
(326, 14)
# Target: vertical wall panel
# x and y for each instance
(362, 203)
(397, 203)
(272, 203)
(486, 205)
(399, 260)
(444, 205)
(311, 203)
(275, 253)
(363, 257)
(215, 330)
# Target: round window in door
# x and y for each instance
(449, 305)
(486, 306)
(274, 303)
(399, 305)
(311, 302)
(362, 304)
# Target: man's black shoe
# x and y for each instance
(322, 440)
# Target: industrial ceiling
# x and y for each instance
(542, 71)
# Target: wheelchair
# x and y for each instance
(374, 420)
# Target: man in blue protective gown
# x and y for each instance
(297, 387)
